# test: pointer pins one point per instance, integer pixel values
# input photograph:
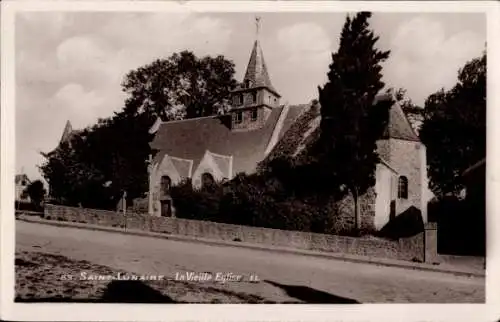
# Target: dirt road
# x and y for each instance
(282, 277)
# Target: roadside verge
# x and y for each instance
(442, 268)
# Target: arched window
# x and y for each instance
(207, 180)
(166, 183)
(403, 187)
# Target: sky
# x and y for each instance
(69, 66)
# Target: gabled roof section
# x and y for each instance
(183, 166)
(257, 72)
(399, 126)
(223, 162)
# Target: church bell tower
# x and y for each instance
(255, 97)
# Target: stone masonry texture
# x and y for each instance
(409, 249)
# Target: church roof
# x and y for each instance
(257, 72)
(21, 177)
(68, 131)
(305, 129)
(190, 139)
(398, 127)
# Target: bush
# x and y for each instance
(259, 200)
(28, 206)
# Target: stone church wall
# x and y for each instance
(406, 159)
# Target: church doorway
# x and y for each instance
(166, 208)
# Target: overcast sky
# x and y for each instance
(69, 66)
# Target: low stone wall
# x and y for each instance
(412, 248)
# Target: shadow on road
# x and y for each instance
(310, 295)
(116, 292)
(133, 292)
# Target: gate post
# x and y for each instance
(430, 243)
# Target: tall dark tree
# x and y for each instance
(181, 86)
(454, 128)
(350, 121)
(36, 191)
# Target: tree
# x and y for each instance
(181, 86)
(350, 121)
(36, 192)
(454, 128)
(72, 178)
(110, 157)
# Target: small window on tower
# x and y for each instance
(238, 118)
(254, 115)
(254, 97)
(403, 187)
(247, 83)
(240, 99)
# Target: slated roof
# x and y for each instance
(398, 127)
(294, 112)
(293, 137)
(257, 72)
(189, 139)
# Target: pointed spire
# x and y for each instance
(399, 126)
(68, 130)
(256, 74)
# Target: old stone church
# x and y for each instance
(216, 148)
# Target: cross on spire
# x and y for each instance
(257, 25)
